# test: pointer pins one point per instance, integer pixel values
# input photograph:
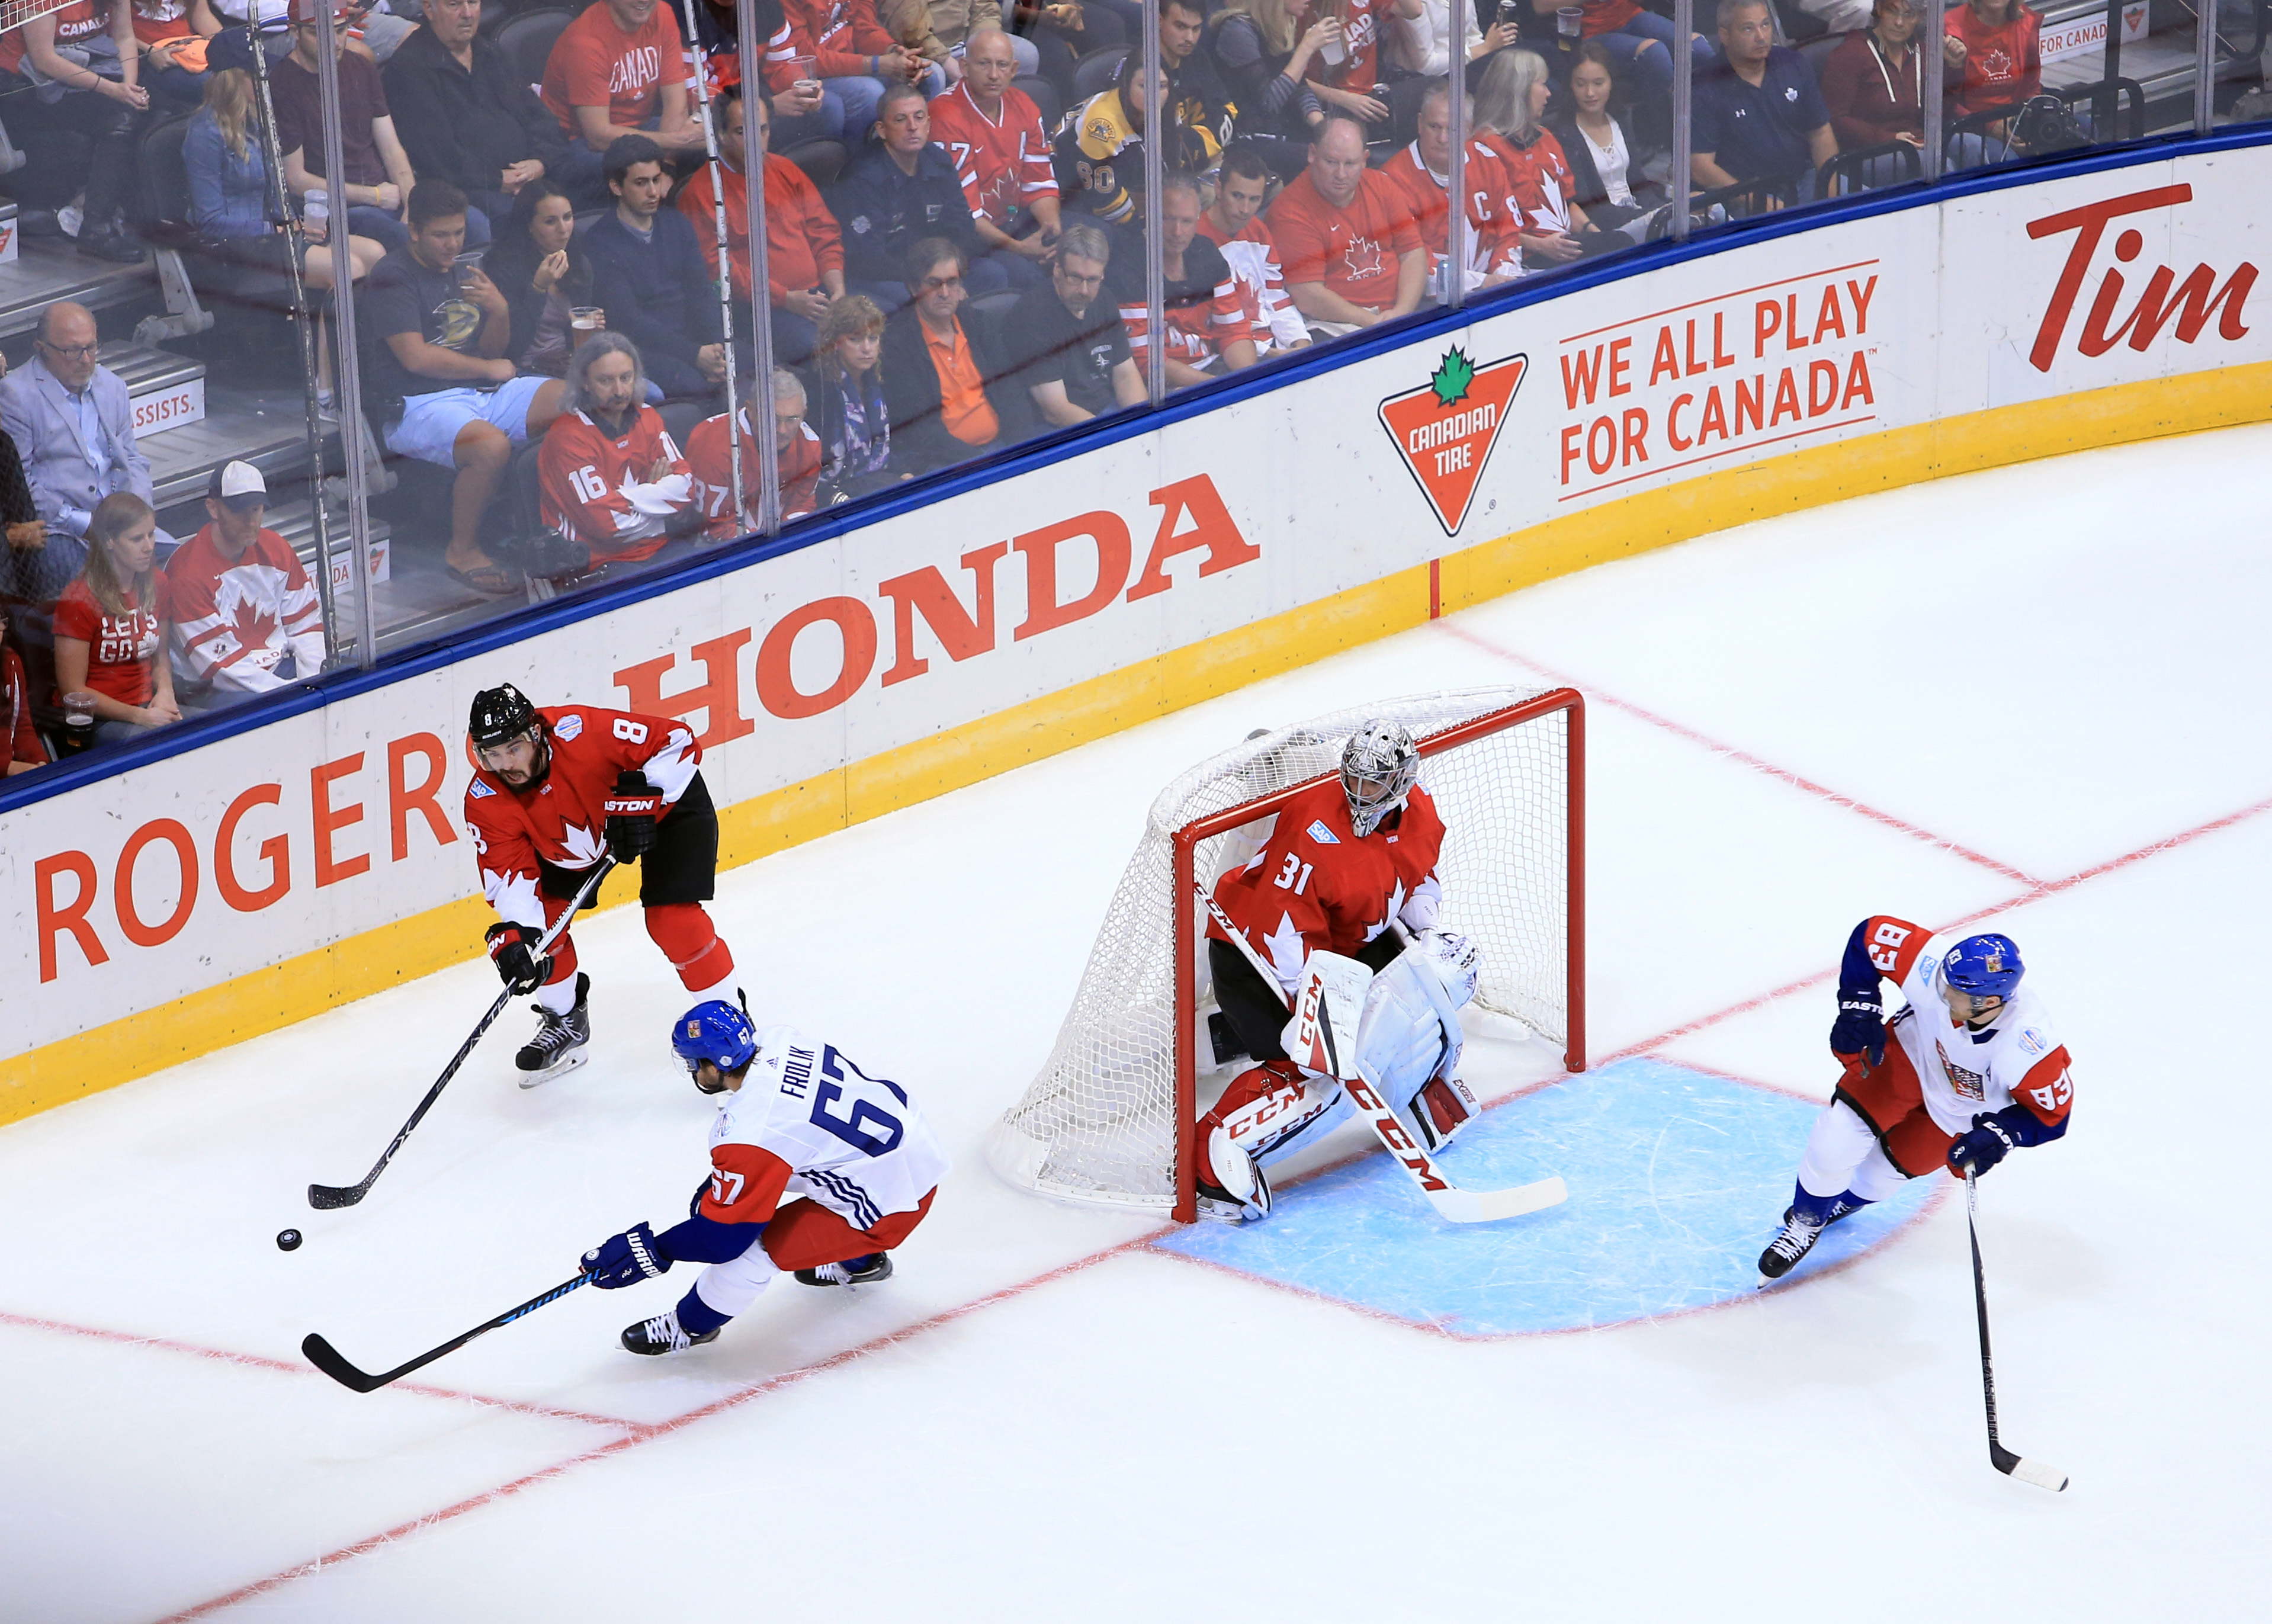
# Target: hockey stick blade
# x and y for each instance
(331, 1197)
(2025, 1471)
(1489, 1206)
(328, 1359)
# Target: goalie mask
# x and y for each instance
(1379, 766)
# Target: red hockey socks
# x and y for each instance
(695, 949)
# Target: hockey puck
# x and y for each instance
(287, 1241)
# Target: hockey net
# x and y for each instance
(1109, 1119)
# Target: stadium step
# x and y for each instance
(47, 269)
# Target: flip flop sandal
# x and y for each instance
(490, 581)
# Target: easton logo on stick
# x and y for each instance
(1445, 430)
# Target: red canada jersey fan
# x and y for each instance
(556, 789)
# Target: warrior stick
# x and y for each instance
(326, 1358)
(1452, 1203)
(2010, 1464)
(324, 1197)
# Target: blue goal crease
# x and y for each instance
(1677, 1179)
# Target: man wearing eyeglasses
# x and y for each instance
(74, 429)
(939, 369)
(1075, 356)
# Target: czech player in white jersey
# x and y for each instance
(815, 1167)
(1975, 1071)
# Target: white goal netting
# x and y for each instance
(1098, 1123)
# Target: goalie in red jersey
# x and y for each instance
(1346, 861)
(552, 790)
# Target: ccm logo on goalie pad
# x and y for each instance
(2053, 1096)
(1392, 1134)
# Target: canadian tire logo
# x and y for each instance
(1445, 430)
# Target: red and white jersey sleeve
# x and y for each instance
(1005, 163)
(561, 820)
(807, 1122)
(1315, 885)
(596, 489)
(1253, 256)
(2016, 1061)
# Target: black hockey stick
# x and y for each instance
(2010, 1464)
(326, 1358)
(325, 1197)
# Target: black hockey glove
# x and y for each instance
(1860, 1027)
(512, 949)
(626, 1259)
(1977, 1152)
(631, 811)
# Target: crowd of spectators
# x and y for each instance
(956, 249)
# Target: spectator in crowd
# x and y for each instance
(230, 198)
(1345, 72)
(1233, 223)
(1421, 40)
(1605, 155)
(1536, 173)
(1264, 48)
(1207, 330)
(938, 370)
(711, 455)
(69, 80)
(1873, 86)
(25, 749)
(899, 193)
(852, 421)
(941, 32)
(646, 267)
(1638, 38)
(172, 35)
(245, 617)
(857, 59)
(1757, 113)
(1995, 51)
(1423, 172)
(1062, 31)
(1198, 104)
(436, 368)
(1352, 255)
(20, 515)
(379, 176)
(466, 113)
(804, 251)
(613, 480)
(618, 69)
(110, 623)
(1070, 352)
(1099, 151)
(73, 426)
(546, 277)
(802, 109)
(992, 131)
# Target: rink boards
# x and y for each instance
(313, 852)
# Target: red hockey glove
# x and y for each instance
(631, 811)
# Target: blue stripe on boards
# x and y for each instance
(1677, 1180)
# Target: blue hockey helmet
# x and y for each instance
(1985, 966)
(717, 1032)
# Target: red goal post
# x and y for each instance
(1110, 1117)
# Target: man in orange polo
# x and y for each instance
(1346, 237)
(940, 368)
(804, 251)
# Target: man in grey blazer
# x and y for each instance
(74, 427)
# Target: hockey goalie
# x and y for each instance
(1349, 871)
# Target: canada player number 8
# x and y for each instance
(866, 1127)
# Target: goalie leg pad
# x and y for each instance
(1268, 1108)
(1238, 1176)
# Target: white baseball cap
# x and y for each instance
(234, 482)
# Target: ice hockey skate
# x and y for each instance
(557, 1048)
(1798, 1239)
(663, 1334)
(876, 1266)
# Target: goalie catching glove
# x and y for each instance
(632, 812)
(626, 1259)
(512, 949)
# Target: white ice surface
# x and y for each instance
(2039, 672)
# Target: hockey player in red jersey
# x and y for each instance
(553, 789)
(1345, 862)
(1975, 1070)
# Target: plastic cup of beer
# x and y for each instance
(802, 67)
(584, 320)
(1568, 21)
(318, 216)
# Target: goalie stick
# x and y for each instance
(1338, 1050)
(2010, 1464)
(327, 1197)
(326, 1358)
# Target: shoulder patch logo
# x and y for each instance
(1319, 832)
(569, 726)
(2032, 1041)
(477, 789)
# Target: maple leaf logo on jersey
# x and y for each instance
(1445, 430)
(583, 847)
(1286, 949)
(1364, 257)
(251, 596)
(1997, 63)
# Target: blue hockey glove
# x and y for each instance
(1860, 1027)
(512, 949)
(1977, 1152)
(626, 1259)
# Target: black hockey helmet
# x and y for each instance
(500, 716)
